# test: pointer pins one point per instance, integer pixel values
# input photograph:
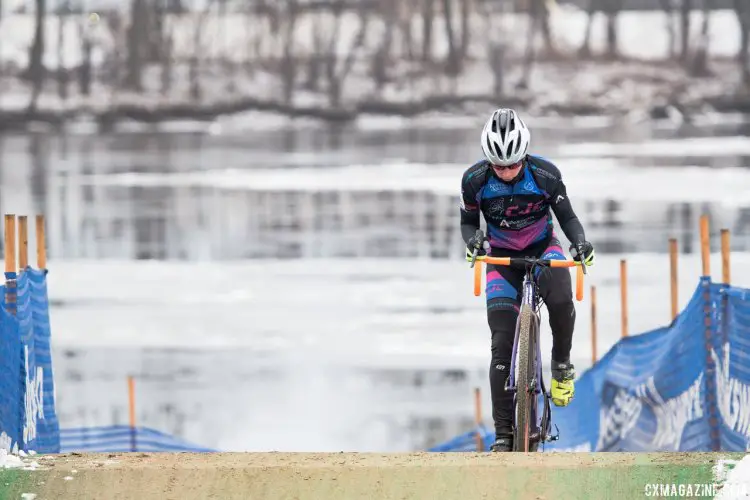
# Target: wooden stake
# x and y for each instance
(23, 242)
(593, 326)
(11, 286)
(673, 275)
(10, 243)
(41, 243)
(131, 411)
(705, 246)
(624, 296)
(725, 254)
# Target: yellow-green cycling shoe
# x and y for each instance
(563, 386)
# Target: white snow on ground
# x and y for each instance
(11, 461)
(734, 477)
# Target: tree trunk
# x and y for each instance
(428, 15)
(337, 76)
(85, 73)
(36, 66)
(406, 12)
(382, 59)
(62, 73)
(540, 14)
(687, 6)
(699, 64)
(137, 37)
(453, 63)
(585, 50)
(612, 33)
(288, 59)
(667, 7)
(743, 16)
(466, 12)
(529, 57)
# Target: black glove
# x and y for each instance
(587, 249)
(476, 242)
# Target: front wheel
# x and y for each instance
(524, 377)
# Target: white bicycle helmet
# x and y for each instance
(505, 138)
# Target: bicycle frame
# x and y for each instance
(530, 298)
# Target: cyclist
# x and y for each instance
(515, 192)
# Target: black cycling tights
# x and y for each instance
(502, 312)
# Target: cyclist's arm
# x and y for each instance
(469, 210)
(565, 214)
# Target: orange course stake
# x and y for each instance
(593, 325)
(624, 297)
(726, 274)
(23, 242)
(41, 243)
(673, 275)
(705, 246)
(131, 411)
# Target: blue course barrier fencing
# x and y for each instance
(683, 387)
(27, 392)
(121, 438)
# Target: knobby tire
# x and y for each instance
(524, 377)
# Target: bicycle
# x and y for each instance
(525, 366)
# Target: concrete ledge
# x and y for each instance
(339, 476)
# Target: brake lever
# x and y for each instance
(579, 249)
(474, 257)
(479, 235)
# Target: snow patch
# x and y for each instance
(733, 476)
(12, 461)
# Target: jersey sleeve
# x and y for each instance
(469, 206)
(566, 216)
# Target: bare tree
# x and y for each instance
(528, 63)
(495, 50)
(36, 70)
(382, 59)
(613, 9)
(585, 49)
(1, 22)
(336, 74)
(699, 63)
(457, 44)
(62, 72)
(668, 8)
(137, 35)
(428, 17)
(685, 8)
(742, 9)
(161, 41)
(288, 68)
(253, 34)
(540, 17)
(85, 71)
(196, 91)
(405, 16)
(315, 58)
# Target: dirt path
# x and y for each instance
(339, 476)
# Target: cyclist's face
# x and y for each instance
(508, 173)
